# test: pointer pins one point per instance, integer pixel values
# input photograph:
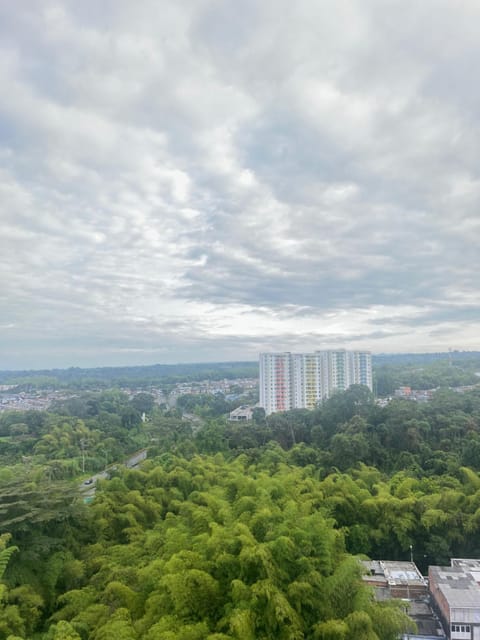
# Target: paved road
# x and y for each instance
(87, 488)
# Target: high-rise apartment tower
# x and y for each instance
(301, 380)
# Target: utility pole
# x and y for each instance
(82, 445)
(105, 455)
(292, 432)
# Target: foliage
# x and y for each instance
(218, 548)
(425, 371)
(229, 530)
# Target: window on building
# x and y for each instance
(460, 628)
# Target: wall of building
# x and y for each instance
(275, 385)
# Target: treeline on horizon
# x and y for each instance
(229, 531)
(123, 377)
(420, 371)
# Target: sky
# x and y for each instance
(203, 180)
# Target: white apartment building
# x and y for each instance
(301, 380)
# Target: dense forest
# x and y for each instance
(228, 531)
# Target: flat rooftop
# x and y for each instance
(471, 565)
(402, 573)
(393, 572)
(457, 585)
(394, 579)
(468, 564)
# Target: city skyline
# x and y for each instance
(187, 182)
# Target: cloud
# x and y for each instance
(192, 182)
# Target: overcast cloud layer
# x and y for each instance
(202, 180)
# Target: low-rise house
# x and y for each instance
(399, 579)
(241, 414)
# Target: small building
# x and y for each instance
(428, 625)
(403, 580)
(416, 395)
(456, 597)
(403, 392)
(398, 579)
(241, 414)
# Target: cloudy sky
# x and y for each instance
(201, 180)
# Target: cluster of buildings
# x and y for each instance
(12, 400)
(421, 395)
(301, 380)
(446, 606)
(417, 395)
(212, 387)
(25, 401)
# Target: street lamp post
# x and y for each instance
(82, 446)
